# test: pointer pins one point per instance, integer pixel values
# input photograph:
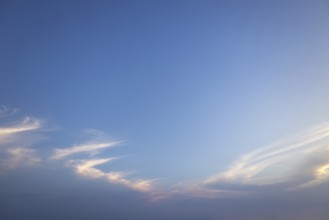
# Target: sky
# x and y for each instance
(186, 109)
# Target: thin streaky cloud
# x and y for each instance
(16, 141)
(28, 124)
(298, 162)
(310, 137)
(87, 168)
(91, 148)
(142, 185)
(301, 161)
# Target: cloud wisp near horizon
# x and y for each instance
(298, 162)
(16, 157)
(16, 141)
(292, 164)
(87, 168)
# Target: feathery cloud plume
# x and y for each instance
(301, 161)
(87, 168)
(28, 124)
(84, 148)
(15, 141)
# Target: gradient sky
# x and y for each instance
(198, 110)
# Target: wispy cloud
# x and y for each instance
(16, 140)
(6, 111)
(22, 134)
(142, 185)
(19, 157)
(300, 161)
(84, 148)
(28, 124)
(87, 168)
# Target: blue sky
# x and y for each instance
(167, 106)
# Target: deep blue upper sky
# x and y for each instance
(186, 86)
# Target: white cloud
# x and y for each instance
(15, 142)
(142, 185)
(85, 148)
(28, 124)
(87, 168)
(300, 161)
(13, 157)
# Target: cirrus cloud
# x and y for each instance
(15, 141)
(299, 162)
(88, 168)
(84, 148)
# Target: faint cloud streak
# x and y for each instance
(15, 141)
(28, 124)
(299, 162)
(6, 112)
(85, 148)
(87, 168)
(19, 157)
